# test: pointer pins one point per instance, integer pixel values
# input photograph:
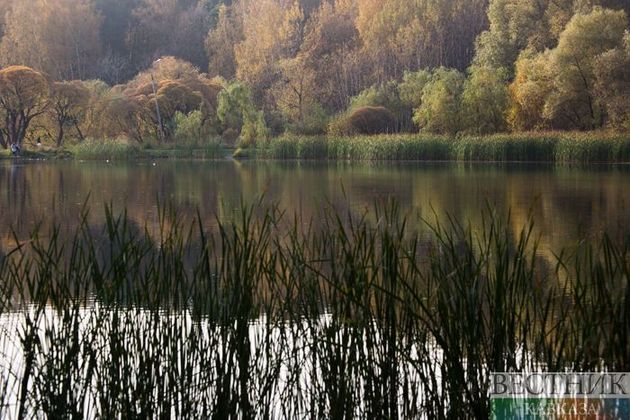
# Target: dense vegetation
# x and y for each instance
(264, 317)
(552, 147)
(245, 70)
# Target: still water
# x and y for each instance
(566, 203)
(288, 363)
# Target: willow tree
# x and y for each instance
(612, 71)
(23, 96)
(558, 88)
(68, 106)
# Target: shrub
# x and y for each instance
(365, 120)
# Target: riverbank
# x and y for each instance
(548, 147)
(114, 150)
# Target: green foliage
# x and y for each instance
(553, 147)
(558, 88)
(573, 100)
(612, 73)
(192, 129)
(440, 110)
(314, 121)
(236, 110)
(484, 101)
(411, 88)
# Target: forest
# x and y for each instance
(239, 72)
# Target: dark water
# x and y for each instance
(566, 203)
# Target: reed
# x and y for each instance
(121, 151)
(554, 147)
(102, 150)
(272, 316)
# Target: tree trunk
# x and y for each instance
(3, 141)
(81, 136)
(60, 135)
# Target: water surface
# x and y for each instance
(566, 203)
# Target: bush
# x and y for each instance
(365, 120)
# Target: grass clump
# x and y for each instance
(103, 150)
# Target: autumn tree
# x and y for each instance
(168, 27)
(294, 95)
(612, 72)
(530, 90)
(401, 35)
(573, 99)
(23, 96)
(59, 37)
(272, 31)
(176, 86)
(330, 54)
(534, 25)
(221, 40)
(558, 88)
(68, 107)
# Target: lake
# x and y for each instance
(566, 203)
(350, 319)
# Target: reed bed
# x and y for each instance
(121, 151)
(91, 149)
(270, 316)
(556, 147)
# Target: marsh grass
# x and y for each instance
(121, 151)
(91, 149)
(272, 316)
(558, 147)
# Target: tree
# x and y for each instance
(412, 86)
(23, 96)
(573, 101)
(612, 73)
(439, 111)
(484, 101)
(169, 28)
(530, 90)
(330, 52)
(221, 41)
(401, 35)
(237, 111)
(115, 65)
(271, 32)
(294, 96)
(68, 106)
(534, 25)
(60, 38)
(164, 68)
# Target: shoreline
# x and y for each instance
(548, 148)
